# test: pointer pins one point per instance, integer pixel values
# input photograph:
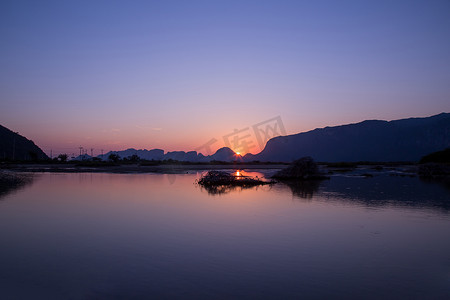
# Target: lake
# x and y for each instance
(141, 236)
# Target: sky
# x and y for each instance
(174, 75)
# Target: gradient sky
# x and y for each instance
(174, 74)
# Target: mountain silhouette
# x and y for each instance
(223, 154)
(13, 146)
(154, 154)
(371, 140)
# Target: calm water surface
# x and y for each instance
(140, 236)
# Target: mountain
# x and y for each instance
(182, 156)
(223, 154)
(83, 157)
(372, 140)
(155, 154)
(13, 146)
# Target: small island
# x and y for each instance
(221, 178)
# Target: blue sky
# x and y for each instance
(174, 74)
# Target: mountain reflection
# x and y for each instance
(382, 191)
(10, 182)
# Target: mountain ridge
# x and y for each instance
(222, 154)
(370, 140)
(14, 146)
(399, 140)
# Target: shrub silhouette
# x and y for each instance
(62, 157)
(437, 157)
(114, 157)
(303, 168)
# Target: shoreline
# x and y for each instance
(125, 169)
(366, 170)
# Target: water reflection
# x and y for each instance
(378, 191)
(10, 182)
(141, 236)
(443, 182)
(225, 189)
(304, 189)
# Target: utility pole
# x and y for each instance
(92, 152)
(51, 154)
(81, 148)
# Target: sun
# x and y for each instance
(238, 153)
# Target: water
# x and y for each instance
(140, 236)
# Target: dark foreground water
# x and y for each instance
(139, 236)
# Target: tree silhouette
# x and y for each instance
(134, 158)
(114, 157)
(62, 157)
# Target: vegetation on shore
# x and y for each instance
(435, 165)
(442, 157)
(215, 178)
(302, 169)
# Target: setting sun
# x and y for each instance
(238, 153)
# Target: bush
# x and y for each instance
(437, 157)
(62, 157)
(303, 168)
(114, 157)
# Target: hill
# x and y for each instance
(371, 140)
(13, 146)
